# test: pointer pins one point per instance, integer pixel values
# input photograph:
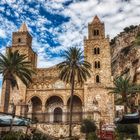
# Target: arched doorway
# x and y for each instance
(77, 109)
(53, 106)
(57, 115)
(36, 108)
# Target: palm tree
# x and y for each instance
(74, 69)
(12, 66)
(124, 88)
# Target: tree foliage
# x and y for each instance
(14, 66)
(125, 88)
(88, 126)
(74, 65)
(74, 69)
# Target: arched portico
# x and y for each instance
(54, 109)
(57, 115)
(36, 105)
(77, 109)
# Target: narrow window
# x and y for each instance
(96, 32)
(95, 51)
(98, 64)
(98, 50)
(19, 40)
(97, 79)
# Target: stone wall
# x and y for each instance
(58, 130)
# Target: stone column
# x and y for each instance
(30, 109)
(51, 117)
(65, 110)
(43, 113)
(83, 112)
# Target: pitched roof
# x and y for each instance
(23, 28)
(96, 20)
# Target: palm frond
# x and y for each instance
(74, 65)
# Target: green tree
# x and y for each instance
(12, 66)
(124, 87)
(74, 69)
(88, 127)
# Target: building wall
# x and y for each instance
(92, 98)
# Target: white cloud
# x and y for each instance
(114, 13)
(2, 33)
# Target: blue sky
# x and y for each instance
(58, 24)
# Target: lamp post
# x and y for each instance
(13, 109)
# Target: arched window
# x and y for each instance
(97, 64)
(97, 79)
(96, 32)
(96, 51)
(57, 115)
(19, 40)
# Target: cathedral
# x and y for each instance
(47, 98)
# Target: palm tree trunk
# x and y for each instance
(71, 106)
(125, 103)
(125, 108)
(13, 116)
(7, 96)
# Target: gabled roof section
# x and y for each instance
(96, 20)
(23, 28)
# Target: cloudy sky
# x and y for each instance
(56, 25)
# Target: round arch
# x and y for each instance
(36, 108)
(77, 109)
(48, 97)
(34, 95)
(57, 115)
(52, 103)
(76, 96)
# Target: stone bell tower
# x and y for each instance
(21, 41)
(97, 52)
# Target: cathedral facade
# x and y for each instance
(47, 99)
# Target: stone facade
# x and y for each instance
(47, 98)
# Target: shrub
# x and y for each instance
(88, 126)
(127, 130)
(92, 136)
(40, 136)
(19, 135)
